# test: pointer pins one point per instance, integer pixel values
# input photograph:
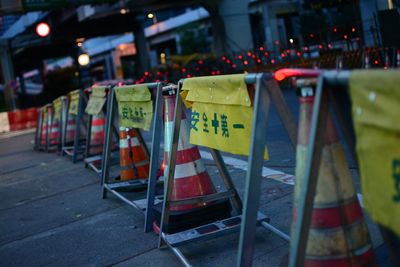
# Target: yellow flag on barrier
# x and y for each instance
(57, 108)
(96, 100)
(222, 113)
(73, 102)
(375, 98)
(135, 108)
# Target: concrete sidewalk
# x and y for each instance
(52, 214)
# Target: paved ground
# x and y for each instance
(52, 214)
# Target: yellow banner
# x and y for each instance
(135, 108)
(375, 98)
(73, 102)
(96, 100)
(221, 113)
(57, 108)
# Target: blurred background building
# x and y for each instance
(155, 40)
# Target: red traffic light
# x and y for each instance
(43, 29)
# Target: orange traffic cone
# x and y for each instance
(54, 130)
(134, 162)
(338, 234)
(97, 134)
(71, 126)
(43, 132)
(190, 180)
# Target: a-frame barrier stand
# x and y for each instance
(331, 95)
(77, 149)
(94, 161)
(146, 205)
(267, 91)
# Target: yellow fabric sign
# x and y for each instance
(223, 89)
(135, 107)
(57, 108)
(96, 100)
(73, 102)
(375, 98)
(222, 114)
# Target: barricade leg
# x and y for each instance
(132, 143)
(251, 215)
(347, 242)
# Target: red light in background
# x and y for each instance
(261, 48)
(258, 60)
(249, 54)
(345, 36)
(43, 29)
(245, 62)
(272, 61)
(335, 29)
(353, 29)
(282, 74)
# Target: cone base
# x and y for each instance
(184, 220)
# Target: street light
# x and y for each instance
(84, 59)
(43, 29)
(153, 17)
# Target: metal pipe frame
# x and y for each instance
(61, 124)
(151, 182)
(65, 114)
(79, 119)
(314, 152)
(48, 128)
(38, 130)
(254, 174)
(325, 97)
(89, 158)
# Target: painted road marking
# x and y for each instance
(242, 165)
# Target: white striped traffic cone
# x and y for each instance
(134, 162)
(191, 180)
(97, 134)
(338, 234)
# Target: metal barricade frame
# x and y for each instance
(326, 98)
(76, 151)
(145, 207)
(266, 89)
(90, 159)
